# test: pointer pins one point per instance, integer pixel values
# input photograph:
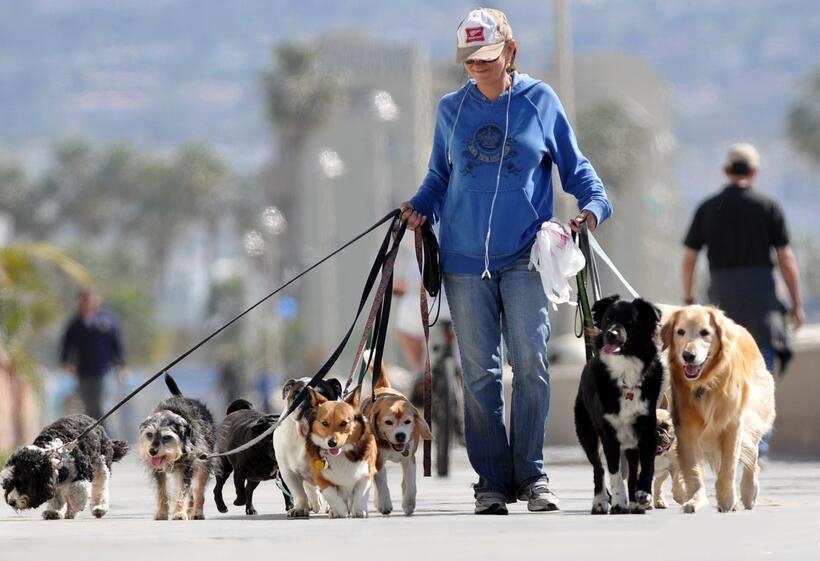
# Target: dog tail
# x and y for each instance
(172, 385)
(120, 449)
(237, 405)
(382, 382)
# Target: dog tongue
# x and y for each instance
(398, 447)
(691, 370)
(333, 451)
(611, 349)
(156, 461)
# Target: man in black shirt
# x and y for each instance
(91, 347)
(740, 228)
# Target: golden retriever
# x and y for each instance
(722, 402)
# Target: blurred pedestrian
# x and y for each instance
(91, 347)
(745, 234)
(490, 186)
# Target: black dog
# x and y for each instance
(616, 402)
(66, 479)
(171, 440)
(258, 463)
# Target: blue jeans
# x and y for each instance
(768, 357)
(511, 303)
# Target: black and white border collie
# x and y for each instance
(65, 479)
(616, 402)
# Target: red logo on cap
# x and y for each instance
(474, 34)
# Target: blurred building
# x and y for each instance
(370, 155)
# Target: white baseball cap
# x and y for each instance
(482, 35)
(743, 153)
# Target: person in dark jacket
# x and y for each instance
(91, 347)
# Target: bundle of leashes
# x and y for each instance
(587, 278)
(427, 255)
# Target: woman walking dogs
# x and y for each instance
(489, 184)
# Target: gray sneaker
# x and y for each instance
(539, 497)
(490, 502)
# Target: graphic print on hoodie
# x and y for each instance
(460, 185)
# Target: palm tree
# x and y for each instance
(804, 120)
(300, 96)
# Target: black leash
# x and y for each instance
(392, 216)
(379, 317)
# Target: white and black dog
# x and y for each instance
(66, 479)
(616, 402)
(171, 440)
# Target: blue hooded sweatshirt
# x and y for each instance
(472, 184)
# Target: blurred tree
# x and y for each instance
(804, 119)
(616, 143)
(170, 197)
(30, 299)
(300, 96)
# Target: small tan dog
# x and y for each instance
(342, 453)
(399, 428)
(722, 402)
(666, 461)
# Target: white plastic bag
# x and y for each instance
(556, 257)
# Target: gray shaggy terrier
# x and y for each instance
(65, 479)
(171, 440)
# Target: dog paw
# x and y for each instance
(99, 511)
(690, 507)
(52, 515)
(600, 505)
(299, 513)
(239, 501)
(70, 515)
(223, 508)
(337, 514)
(359, 514)
(181, 515)
(731, 508)
(643, 499)
(250, 511)
(619, 509)
(409, 507)
(636, 508)
(660, 503)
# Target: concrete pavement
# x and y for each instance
(785, 525)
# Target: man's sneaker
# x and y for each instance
(490, 502)
(539, 497)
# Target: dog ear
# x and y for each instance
(600, 307)
(286, 388)
(647, 309)
(720, 321)
(316, 399)
(668, 330)
(353, 398)
(336, 386)
(423, 427)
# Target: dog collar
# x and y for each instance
(321, 464)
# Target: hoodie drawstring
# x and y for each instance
(486, 273)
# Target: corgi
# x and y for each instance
(342, 452)
(398, 428)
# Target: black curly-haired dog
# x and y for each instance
(171, 440)
(617, 401)
(257, 464)
(65, 479)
